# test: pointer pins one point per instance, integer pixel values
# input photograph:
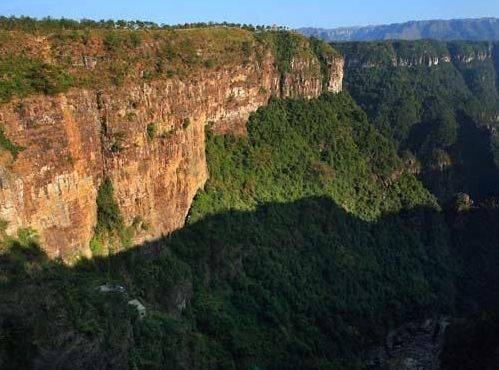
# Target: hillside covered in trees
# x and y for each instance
(310, 241)
(439, 103)
(330, 223)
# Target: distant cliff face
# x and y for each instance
(412, 54)
(136, 113)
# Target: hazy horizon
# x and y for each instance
(294, 14)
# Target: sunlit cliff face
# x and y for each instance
(146, 134)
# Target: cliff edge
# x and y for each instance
(79, 107)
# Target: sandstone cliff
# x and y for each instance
(427, 53)
(136, 112)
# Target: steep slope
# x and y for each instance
(472, 342)
(308, 243)
(481, 29)
(132, 106)
(328, 149)
(439, 102)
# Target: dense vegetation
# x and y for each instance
(443, 115)
(312, 238)
(23, 76)
(306, 246)
(454, 29)
(110, 233)
(9, 146)
(444, 120)
(327, 148)
(49, 24)
(472, 341)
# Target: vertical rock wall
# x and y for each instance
(74, 140)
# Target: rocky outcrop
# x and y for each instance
(478, 54)
(414, 346)
(51, 186)
(336, 69)
(427, 60)
(418, 53)
(146, 135)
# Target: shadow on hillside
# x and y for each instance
(495, 56)
(299, 285)
(473, 169)
(477, 159)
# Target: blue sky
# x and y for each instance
(293, 13)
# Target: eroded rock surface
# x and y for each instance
(146, 135)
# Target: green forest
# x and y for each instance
(443, 116)
(48, 24)
(310, 241)
(331, 223)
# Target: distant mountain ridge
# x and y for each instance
(479, 29)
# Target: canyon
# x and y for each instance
(147, 135)
(238, 210)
